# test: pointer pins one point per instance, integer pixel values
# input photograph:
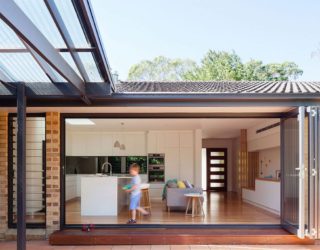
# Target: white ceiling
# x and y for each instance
(211, 128)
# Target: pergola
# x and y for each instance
(50, 51)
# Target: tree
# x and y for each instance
(215, 66)
(218, 66)
(160, 69)
(221, 65)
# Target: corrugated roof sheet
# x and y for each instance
(220, 87)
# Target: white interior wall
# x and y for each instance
(269, 160)
(267, 139)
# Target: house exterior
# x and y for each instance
(56, 87)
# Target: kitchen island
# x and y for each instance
(103, 195)
(265, 195)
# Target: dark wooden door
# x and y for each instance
(217, 169)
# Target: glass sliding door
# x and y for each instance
(293, 172)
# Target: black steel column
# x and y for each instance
(21, 167)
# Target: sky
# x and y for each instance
(268, 30)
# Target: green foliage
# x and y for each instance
(215, 66)
(160, 69)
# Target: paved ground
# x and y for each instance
(43, 245)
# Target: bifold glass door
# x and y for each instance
(313, 227)
(293, 172)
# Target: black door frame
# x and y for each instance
(225, 158)
(64, 116)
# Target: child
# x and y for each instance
(135, 191)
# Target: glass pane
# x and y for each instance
(216, 153)
(217, 177)
(216, 161)
(22, 67)
(72, 23)
(215, 169)
(39, 14)
(90, 67)
(9, 39)
(216, 185)
(291, 175)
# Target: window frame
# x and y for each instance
(11, 223)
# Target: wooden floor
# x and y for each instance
(156, 236)
(220, 208)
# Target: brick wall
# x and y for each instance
(3, 173)
(53, 171)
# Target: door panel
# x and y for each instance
(293, 172)
(216, 169)
(314, 173)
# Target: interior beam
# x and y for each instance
(17, 20)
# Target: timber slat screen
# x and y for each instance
(35, 172)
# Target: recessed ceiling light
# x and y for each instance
(80, 122)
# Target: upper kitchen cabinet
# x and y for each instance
(102, 144)
(172, 139)
(134, 144)
(155, 142)
(83, 144)
(106, 144)
(186, 139)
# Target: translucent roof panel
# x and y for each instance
(39, 14)
(90, 66)
(22, 67)
(9, 39)
(70, 18)
(67, 56)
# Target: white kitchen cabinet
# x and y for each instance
(68, 144)
(102, 144)
(186, 139)
(172, 162)
(106, 144)
(186, 163)
(78, 147)
(93, 144)
(161, 143)
(172, 139)
(152, 140)
(156, 142)
(71, 186)
(135, 144)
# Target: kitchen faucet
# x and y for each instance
(104, 165)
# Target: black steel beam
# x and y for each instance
(53, 10)
(21, 167)
(42, 63)
(17, 20)
(84, 10)
(23, 50)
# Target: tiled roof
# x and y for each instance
(219, 87)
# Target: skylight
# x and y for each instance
(77, 122)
